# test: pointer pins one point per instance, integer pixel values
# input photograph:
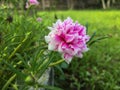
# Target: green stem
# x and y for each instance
(15, 87)
(8, 82)
(45, 65)
(16, 49)
(34, 47)
(17, 64)
(56, 63)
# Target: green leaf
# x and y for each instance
(22, 59)
(45, 64)
(19, 73)
(98, 39)
(86, 25)
(60, 69)
(8, 82)
(64, 65)
(93, 35)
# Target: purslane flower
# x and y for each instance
(31, 2)
(39, 19)
(68, 38)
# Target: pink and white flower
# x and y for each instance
(69, 38)
(31, 2)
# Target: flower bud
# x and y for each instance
(29, 80)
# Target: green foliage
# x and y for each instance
(22, 50)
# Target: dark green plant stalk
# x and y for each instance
(98, 39)
(14, 76)
(8, 82)
(13, 69)
(45, 64)
(43, 67)
(34, 47)
(56, 63)
(15, 87)
(17, 48)
(93, 35)
(18, 63)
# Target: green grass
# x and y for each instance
(100, 67)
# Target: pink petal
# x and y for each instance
(67, 57)
(60, 47)
(47, 39)
(79, 54)
(58, 39)
(51, 46)
(69, 38)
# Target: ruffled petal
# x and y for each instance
(67, 57)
